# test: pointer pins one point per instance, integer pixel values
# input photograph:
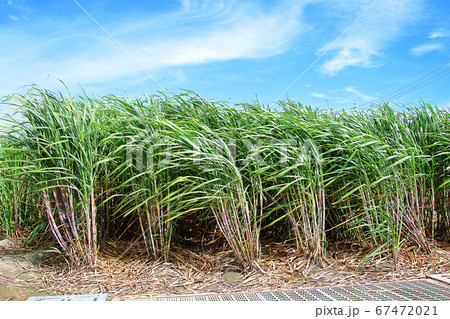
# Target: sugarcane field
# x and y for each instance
(166, 195)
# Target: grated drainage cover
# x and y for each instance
(418, 290)
(98, 297)
(445, 278)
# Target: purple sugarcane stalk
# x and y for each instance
(71, 218)
(62, 217)
(53, 226)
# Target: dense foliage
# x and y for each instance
(89, 169)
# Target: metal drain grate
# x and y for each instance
(418, 290)
(98, 297)
(445, 278)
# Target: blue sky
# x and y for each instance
(235, 51)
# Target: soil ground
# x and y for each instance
(19, 270)
(26, 272)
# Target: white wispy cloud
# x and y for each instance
(357, 53)
(199, 32)
(366, 40)
(358, 94)
(347, 95)
(318, 95)
(426, 48)
(13, 17)
(438, 34)
(255, 37)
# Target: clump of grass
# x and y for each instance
(57, 146)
